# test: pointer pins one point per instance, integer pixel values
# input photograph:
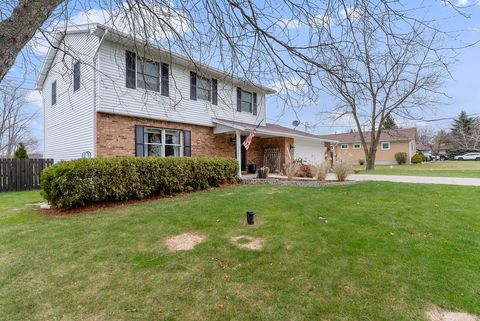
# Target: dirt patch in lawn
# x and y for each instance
(184, 242)
(247, 242)
(437, 314)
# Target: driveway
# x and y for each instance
(417, 179)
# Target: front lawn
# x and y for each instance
(367, 251)
(442, 168)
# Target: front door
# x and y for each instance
(243, 155)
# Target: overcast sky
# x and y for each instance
(463, 89)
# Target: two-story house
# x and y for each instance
(105, 94)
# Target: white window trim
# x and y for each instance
(343, 146)
(251, 101)
(209, 90)
(359, 146)
(137, 57)
(385, 143)
(163, 144)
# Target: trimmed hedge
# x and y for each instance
(86, 181)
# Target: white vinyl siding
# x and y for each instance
(69, 126)
(115, 97)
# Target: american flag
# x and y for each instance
(248, 140)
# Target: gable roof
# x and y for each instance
(401, 134)
(129, 41)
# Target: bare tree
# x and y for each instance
(434, 140)
(15, 121)
(377, 58)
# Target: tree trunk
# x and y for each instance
(370, 157)
(20, 27)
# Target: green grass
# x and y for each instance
(367, 251)
(443, 169)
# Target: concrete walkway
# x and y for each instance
(417, 179)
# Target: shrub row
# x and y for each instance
(86, 181)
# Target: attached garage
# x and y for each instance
(309, 150)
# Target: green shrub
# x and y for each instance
(401, 158)
(418, 158)
(85, 181)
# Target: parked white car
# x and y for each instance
(468, 156)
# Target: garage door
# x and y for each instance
(311, 152)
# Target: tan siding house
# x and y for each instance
(393, 141)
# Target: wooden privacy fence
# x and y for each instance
(21, 174)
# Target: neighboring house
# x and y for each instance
(392, 141)
(436, 150)
(107, 100)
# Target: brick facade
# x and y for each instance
(116, 137)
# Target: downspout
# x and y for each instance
(95, 82)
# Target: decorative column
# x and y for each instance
(238, 142)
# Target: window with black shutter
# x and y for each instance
(76, 76)
(193, 85)
(246, 101)
(131, 70)
(165, 80)
(54, 92)
(214, 92)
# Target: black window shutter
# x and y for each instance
(187, 143)
(239, 99)
(54, 92)
(76, 76)
(214, 92)
(165, 80)
(139, 140)
(254, 109)
(193, 85)
(130, 69)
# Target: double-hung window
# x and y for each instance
(385, 145)
(148, 74)
(246, 101)
(204, 88)
(162, 142)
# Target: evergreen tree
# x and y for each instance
(21, 152)
(389, 123)
(462, 130)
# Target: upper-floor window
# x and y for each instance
(76, 76)
(246, 101)
(54, 92)
(344, 146)
(162, 142)
(204, 88)
(146, 74)
(385, 145)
